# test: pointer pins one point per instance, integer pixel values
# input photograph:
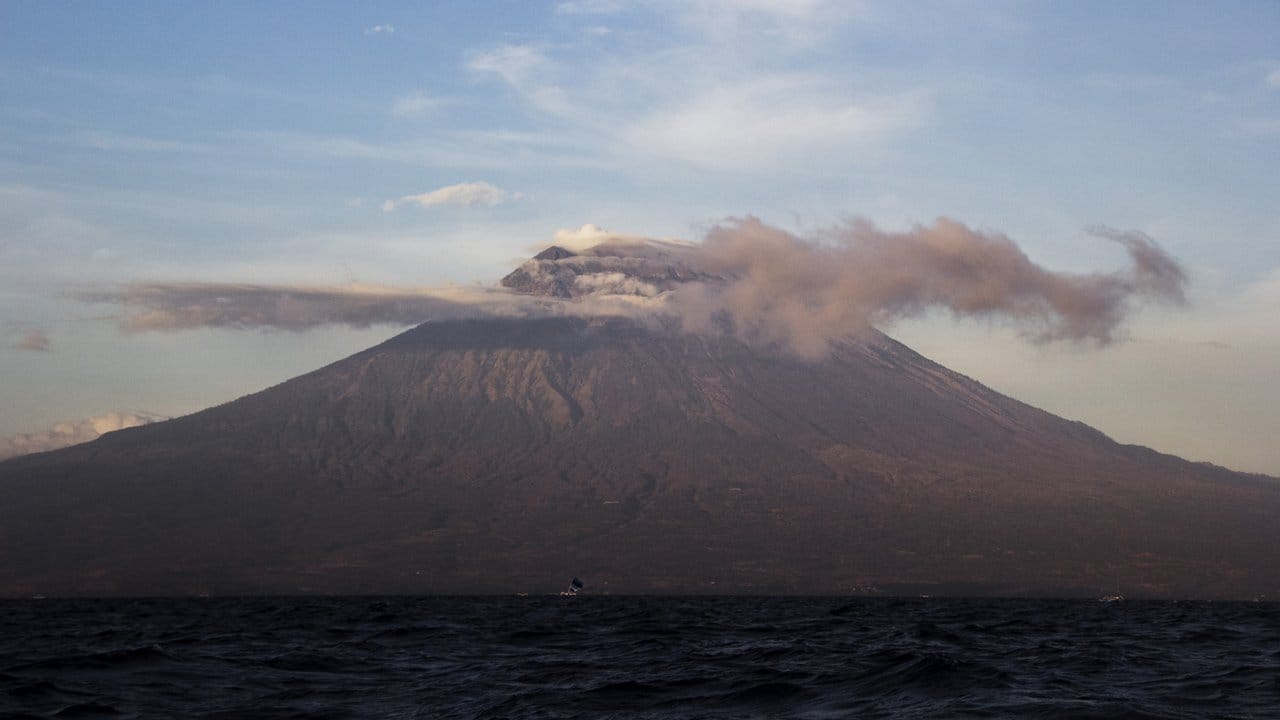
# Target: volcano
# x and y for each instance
(505, 455)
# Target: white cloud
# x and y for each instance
(463, 195)
(1273, 80)
(72, 432)
(588, 235)
(413, 105)
(380, 29)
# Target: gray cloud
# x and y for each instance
(72, 432)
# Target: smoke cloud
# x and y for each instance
(767, 286)
(73, 432)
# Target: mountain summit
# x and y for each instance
(506, 455)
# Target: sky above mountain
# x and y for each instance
(411, 146)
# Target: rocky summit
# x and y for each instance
(510, 455)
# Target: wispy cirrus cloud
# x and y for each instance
(99, 140)
(530, 72)
(468, 194)
(467, 150)
(515, 64)
(708, 91)
(414, 105)
(770, 121)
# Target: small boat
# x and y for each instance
(1111, 598)
(574, 586)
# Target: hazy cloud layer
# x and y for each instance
(462, 194)
(179, 306)
(73, 432)
(765, 285)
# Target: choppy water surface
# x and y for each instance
(595, 657)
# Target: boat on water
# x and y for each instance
(574, 586)
(1111, 598)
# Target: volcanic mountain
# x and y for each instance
(509, 455)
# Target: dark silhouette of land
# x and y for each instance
(488, 456)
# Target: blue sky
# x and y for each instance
(261, 143)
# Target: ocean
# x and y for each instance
(637, 657)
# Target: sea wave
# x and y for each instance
(638, 657)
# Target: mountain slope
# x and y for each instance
(509, 455)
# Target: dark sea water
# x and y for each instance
(608, 657)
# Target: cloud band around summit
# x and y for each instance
(759, 282)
